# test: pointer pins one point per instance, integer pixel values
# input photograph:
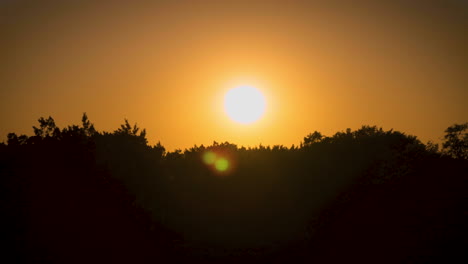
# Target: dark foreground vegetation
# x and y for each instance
(76, 195)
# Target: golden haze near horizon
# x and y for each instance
(167, 65)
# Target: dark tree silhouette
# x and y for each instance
(77, 195)
(456, 141)
(46, 128)
(312, 138)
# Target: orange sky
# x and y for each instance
(167, 64)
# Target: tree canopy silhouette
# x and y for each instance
(456, 141)
(372, 195)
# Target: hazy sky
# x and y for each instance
(167, 64)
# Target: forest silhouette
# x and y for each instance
(77, 195)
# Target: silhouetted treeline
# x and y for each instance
(77, 195)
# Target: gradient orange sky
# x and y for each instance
(167, 64)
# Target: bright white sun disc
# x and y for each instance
(244, 104)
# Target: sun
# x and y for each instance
(244, 104)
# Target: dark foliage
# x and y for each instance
(76, 195)
(456, 141)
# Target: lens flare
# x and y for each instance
(221, 164)
(219, 161)
(209, 157)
